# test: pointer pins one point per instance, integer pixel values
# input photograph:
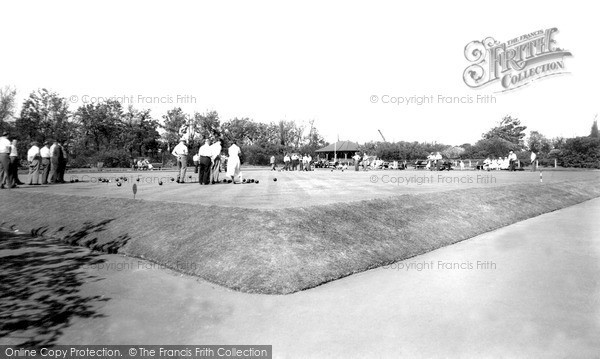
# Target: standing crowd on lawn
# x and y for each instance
(293, 162)
(207, 162)
(47, 164)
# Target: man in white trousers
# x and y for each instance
(181, 152)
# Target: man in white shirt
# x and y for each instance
(512, 160)
(286, 162)
(205, 153)
(295, 160)
(45, 154)
(5, 147)
(33, 157)
(533, 162)
(215, 157)
(15, 162)
(196, 160)
(181, 152)
(356, 161)
(233, 163)
(308, 162)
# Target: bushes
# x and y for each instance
(81, 162)
(114, 158)
(582, 152)
(259, 155)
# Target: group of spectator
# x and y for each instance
(294, 162)
(367, 162)
(50, 161)
(434, 161)
(502, 163)
(142, 164)
(361, 161)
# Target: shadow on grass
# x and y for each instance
(40, 282)
(85, 237)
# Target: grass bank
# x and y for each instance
(287, 250)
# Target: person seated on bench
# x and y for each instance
(430, 160)
(504, 163)
(487, 163)
(145, 164)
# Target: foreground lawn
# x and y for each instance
(286, 250)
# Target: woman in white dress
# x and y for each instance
(233, 163)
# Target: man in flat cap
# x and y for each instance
(181, 152)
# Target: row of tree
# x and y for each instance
(106, 132)
(508, 135)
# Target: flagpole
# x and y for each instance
(335, 151)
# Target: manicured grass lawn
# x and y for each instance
(279, 251)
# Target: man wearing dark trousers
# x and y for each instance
(55, 160)
(46, 155)
(205, 153)
(62, 164)
(356, 161)
(14, 164)
(5, 147)
(512, 158)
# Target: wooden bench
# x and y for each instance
(420, 165)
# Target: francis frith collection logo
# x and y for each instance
(514, 63)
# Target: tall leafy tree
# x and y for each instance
(45, 115)
(509, 129)
(538, 143)
(594, 133)
(101, 124)
(173, 124)
(243, 130)
(140, 133)
(208, 124)
(7, 107)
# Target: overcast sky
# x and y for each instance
(272, 60)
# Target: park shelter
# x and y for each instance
(338, 150)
